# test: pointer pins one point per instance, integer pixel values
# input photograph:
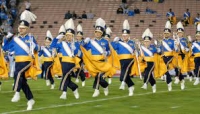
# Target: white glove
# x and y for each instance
(34, 45)
(105, 53)
(87, 40)
(158, 50)
(136, 53)
(189, 38)
(155, 42)
(59, 36)
(116, 39)
(9, 35)
(186, 49)
(73, 47)
(176, 42)
(42, 47)
(11, 53)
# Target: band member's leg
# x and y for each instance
(197, 70)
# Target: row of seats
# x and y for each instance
(50, 15)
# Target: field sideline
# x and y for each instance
(118, 101)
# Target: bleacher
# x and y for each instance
(51, 13)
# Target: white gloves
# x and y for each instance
(136, 53)
(59, 36)
(9, 35)
(187, 49)
(11, 53)
(73, 46)
(87, 40)
(158, 50)
(116, 39)
(155, 42)
(105, 53)
(189, 38)
(34, 45)
(42, 47)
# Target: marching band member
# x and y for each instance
(62, 31)
(171, 16)
(68, 61)
(187, 17)
(196, 53)
(191, 65)
(147, 52)
(48, 54)
(197, 19)
(95, 53)
(23, 46)
(80, 42)
(182, 55)
(4, 52)
(125, 49)
(108, 38)
(167, 49)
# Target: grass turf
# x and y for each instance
(117, 102)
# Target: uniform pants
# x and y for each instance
(197, 66)
(20, 81)
(80, 72)
(167, 60)
(148, 76)
(126, 65)
(99, 80)
(47, 69)
(67, 68)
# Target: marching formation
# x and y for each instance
(70, 54)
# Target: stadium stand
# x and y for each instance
(51, 13)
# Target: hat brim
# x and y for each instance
(79, 35)
(23, 26)
(125, 34)
(69, 33)
(146, 40)
(99, 31)
(180, 31)
(167, 32)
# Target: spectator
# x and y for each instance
(90, 15)
(125, 9)
(10, 20)
(74, 15)
(6, 27)
(124, 3)
(84, 16)
(186, 16)
(150, 11)
(171, 16)
(120, 10)
(131, 12)
(136, 10)
(13, 12)
(27, 5)
(3, 15)
(13, 3)
(197, 19)
(68, 15)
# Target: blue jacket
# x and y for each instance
(104, 44)
(13, 46)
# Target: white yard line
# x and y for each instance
(173, 107)
(91, 101)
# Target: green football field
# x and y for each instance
(117, 102)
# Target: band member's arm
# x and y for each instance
(41, 51)
(37, 48)
(107, 51)
(55, 40)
